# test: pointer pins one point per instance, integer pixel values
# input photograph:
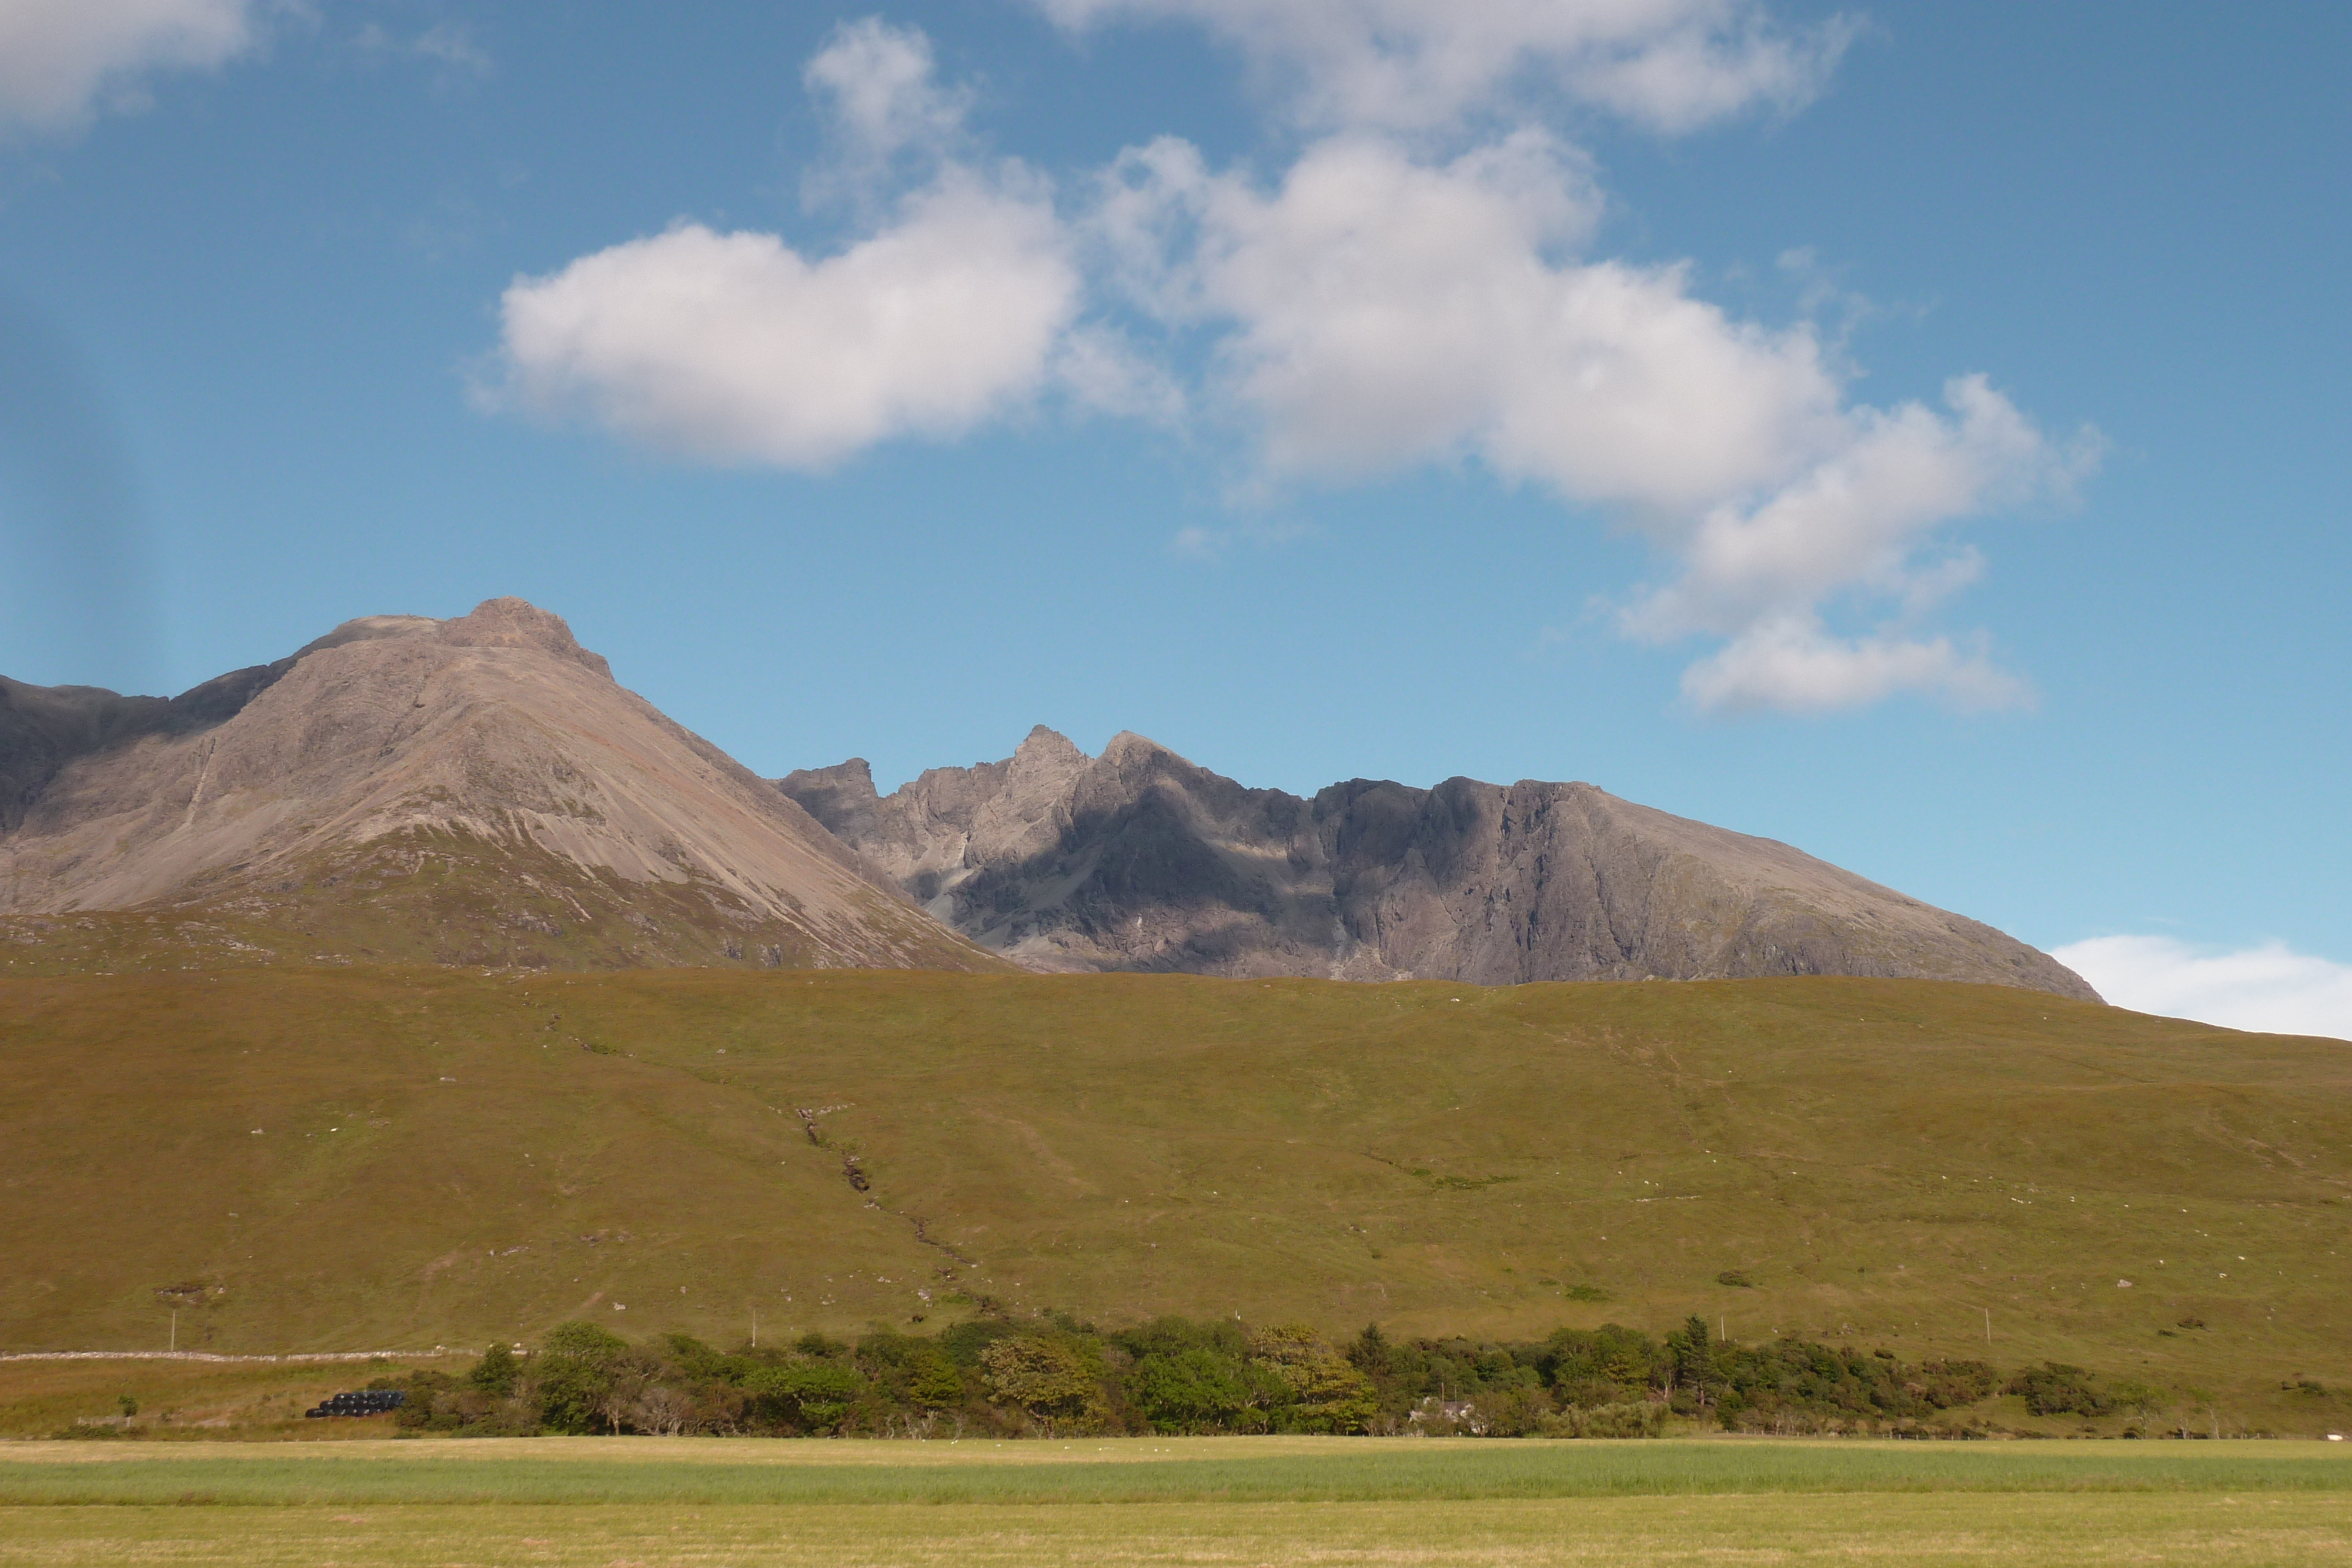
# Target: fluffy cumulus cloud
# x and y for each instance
(1669, 64)
(738, 347)
(1377, 310)
(1420, 285)
(61, 59)
(2270, 988)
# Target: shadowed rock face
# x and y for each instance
(1139, 860)
(487, 764)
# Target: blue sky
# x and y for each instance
(1916, 431)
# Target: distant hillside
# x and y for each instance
(475, 791)
(1140, 860)
(315, 1158)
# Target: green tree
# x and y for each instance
(1324, 1394)
(1047, 1378)
(1193, 1390)
(571, 1376)
(810, 1395)
(1369, 1354)
(496, 1373)
(1693, 1355)
(932, 1380)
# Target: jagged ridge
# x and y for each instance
(1140, 860)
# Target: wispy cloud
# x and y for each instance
(63, 60)
(1672, 65)
(448, 50)
(2270, 988)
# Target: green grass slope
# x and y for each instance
(371, 1159)
(1213, 1502)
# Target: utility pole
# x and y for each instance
(176, 1331)
(755, 1328)
(1988, 1325)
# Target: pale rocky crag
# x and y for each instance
(484, 772)
(1139, 860)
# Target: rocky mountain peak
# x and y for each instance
(484, 774)
(841, 798)
(516, 623)
(1140, 859)
(1044, 745)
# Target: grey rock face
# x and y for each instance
(1140, 860)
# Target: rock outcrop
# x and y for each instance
(1140, 860)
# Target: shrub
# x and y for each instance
(808, 1397)
(1639, 1419)
(965, 1342)
(2056, 1389)
(1945, 1384)
(1172, 1375)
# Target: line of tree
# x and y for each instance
(1054, 1375)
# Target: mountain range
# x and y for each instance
(1140, 860)
(479, 791)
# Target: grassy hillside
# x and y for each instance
(437, 897)
(366, 1158)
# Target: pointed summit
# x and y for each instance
(516, 623)
(475, 791)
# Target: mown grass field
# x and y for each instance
(1194, 1500)
(386, 1159)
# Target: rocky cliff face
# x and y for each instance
(472, 790)
(1140, 860)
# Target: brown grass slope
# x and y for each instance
(385, 1158)
(475, 790)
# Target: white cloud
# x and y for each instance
(1792, 663)
(62, 59)
(2270, 989)
(736, 348)
(879, 86)
(1374, 310)
(1378, 306)
(1669, 64)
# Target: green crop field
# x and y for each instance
(324, 1158)
(1194, 1500)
